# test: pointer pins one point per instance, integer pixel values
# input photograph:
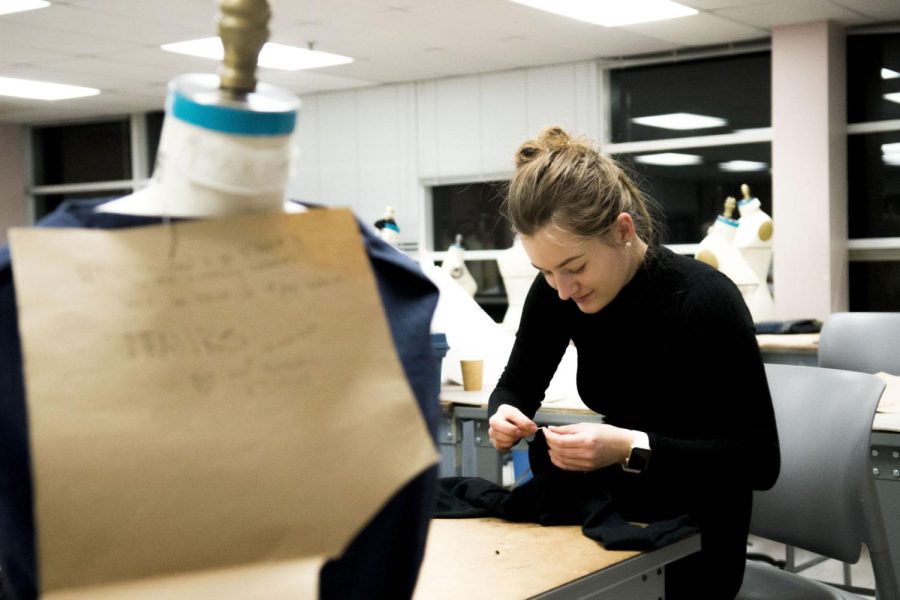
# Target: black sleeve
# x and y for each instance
(730, 394)
(541, 341)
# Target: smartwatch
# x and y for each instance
(639, 453)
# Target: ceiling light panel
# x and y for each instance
(669, 159)
(613, 13)
(13, 6)
(42, 90)
(680, 121)
(272, 56)
(741, 166)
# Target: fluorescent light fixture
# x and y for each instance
(669, 159)
(13, 6)
(889, 74)
(890, 154)
(613, 13)
(893, 97)
(737, 166)
(42, 90)
(272, 56)
(680, 121)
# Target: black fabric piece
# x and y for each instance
(556, 497)
(795, 326)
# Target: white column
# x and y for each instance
(809, 170)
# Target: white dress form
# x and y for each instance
(754, 241)
(717, 249)
(218, 156)
(518, 274)
(225, 144)
(455, 264)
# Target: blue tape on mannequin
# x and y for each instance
(231, 120)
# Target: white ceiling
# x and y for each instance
(114, 44)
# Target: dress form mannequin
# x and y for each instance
(518, 274)
(387, 227)
(455, 265)
(754, 241)
(224, 151)
(717, 250)
(225, 144)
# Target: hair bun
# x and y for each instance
(554, 138)
(526, 153)
(551, 139)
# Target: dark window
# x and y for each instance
(44, 204)
(471, 210)
(875, 286)
(82, 153)
(873, 77)
(736, 89)
(873, 163)
(691, 196)
(154, 130)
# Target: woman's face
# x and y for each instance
(590, 272)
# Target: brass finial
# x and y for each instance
(243, 27)
(730, 204)
(745, 191)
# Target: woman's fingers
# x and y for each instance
(507, 426)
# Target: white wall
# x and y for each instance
(12, 178)
(381, 146)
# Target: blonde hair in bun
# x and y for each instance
(565, 181)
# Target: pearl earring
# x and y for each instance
(628, 244)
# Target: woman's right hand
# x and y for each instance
(509, 425)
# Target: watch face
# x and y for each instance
(637, 461)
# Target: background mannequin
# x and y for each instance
(518, 274)
(387, 227)
(455, 264)
(754, 241)
(717, 249)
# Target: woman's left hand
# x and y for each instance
(587, 446)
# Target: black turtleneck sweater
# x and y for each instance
(675, 355)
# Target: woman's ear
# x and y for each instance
(624, 228)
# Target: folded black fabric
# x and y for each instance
(795, 326)
(555, 497)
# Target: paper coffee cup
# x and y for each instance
(472, 372)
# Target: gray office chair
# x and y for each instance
(824, 500)
(861, 341)
(858, 341)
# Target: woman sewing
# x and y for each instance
(666, 352)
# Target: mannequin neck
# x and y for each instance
(203, 173)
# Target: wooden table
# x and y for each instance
(790, 349)
(467, 559)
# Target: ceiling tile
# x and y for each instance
(114, 44)
(702, 29)
(877, 9)
(774, 14)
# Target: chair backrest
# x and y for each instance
(824, 498)
(861, 341)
